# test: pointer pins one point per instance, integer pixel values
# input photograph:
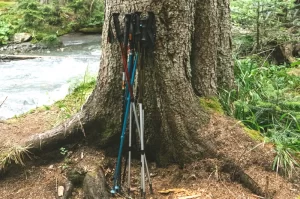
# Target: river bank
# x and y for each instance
(31, 83)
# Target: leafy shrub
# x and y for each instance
(266, 101)
(52, 18)
(4, 32)
(267, 22)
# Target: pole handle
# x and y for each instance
(126, 29)
(117, 26)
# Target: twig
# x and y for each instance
(81, 126)
(267, 57)
(3, 102)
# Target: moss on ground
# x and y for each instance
(255, 135)
(211, 104)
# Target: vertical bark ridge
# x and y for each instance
(225, 74)
(178, 106)
(204, 53)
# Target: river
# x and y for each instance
(31, 83)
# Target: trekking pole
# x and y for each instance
(117, 170)
(131, 60)
(125, 75)
(129, 147)
(139, 131)
(141, 89)
(143, 193)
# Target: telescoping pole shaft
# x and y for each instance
(117, 170)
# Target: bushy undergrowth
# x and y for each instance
(267, 99)
(50, 19)
(261, 25)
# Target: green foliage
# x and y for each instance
(63, 151)
(6, 4)
(51, 19)
(266, 101)
(88, 14)
(260, 25)
(4, 32)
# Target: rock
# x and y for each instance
(94, 185)
(76, 176)
(22, 37)
(68, 190)
(51, 167)
(60, 191)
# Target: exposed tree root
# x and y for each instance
(237, 174)
(67, 132)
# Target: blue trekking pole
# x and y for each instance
(116, 187)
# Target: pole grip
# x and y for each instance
(138, 23)
(117, 26)
(144, 30)
(132, 31)
(126, 29)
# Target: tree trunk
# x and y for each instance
(172, 111)
(205, 48)
(186, 47)
(225, 74)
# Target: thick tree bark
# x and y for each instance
(225, 74)
(172, 110)
(205, 48)
(184, 61)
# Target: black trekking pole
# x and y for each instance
(141, 93)
(134, 38)
(131, 61)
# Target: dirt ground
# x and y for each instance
(13, 131)
(205, 178)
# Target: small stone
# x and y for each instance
(22, 37)
(60, 191)
(51, 166)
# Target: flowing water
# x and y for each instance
(28, 84)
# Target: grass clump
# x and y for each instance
(255, 135)
(79, 91)
(15, 154)
(266, 100)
